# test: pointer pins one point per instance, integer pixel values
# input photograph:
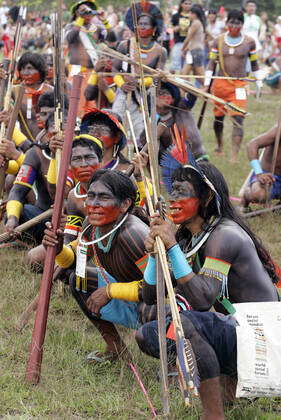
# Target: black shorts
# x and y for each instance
(218, 330)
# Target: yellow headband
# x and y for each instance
(89, 137)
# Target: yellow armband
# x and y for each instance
(20, 159)
(106, 24)
(124, 291)
(13, 168)
(141, 189)
(18, 137)
(79, 21)
(52, 172)
(118, 80)
(110, 94)
(14, 208)
(93, 79)
(148, 81)
(66, 257)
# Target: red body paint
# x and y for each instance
(85, 173)
(108, 141)
(184, 209)
(30, 78)
(100, 216)
(234, 31)
(146, 33)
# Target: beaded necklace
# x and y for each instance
(97, 234)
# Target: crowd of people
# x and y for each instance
(105, 249)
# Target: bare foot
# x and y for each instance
(219, 152)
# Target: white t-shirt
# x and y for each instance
(251, 27)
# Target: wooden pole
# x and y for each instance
(204, 106)
(33, 370)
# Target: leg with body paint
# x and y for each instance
(114, 344)
(237, 136)
(218, 128)
(201, 329)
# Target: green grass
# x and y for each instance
(72, 389)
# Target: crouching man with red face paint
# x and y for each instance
(216, 260)
(113, 240)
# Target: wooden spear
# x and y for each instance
(36, 352)
(261, 211)
(175, 79)
(186, 358)
(204, 106)
(151, 132)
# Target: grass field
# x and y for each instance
(72, 389)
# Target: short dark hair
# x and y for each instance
(235, 14)
(13, 12)
(84, 142)
(120, 184)
(37, 62)
(111, 37)
(48, 99)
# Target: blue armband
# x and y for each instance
(150, 271)
(256, 166)
(180, 266)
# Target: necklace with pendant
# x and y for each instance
(232, 43)
(77, 191)
(98, 240)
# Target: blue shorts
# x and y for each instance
(198, 57)
(276, 186)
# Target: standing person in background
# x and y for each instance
(277, 32)
(9, 33)
(112, 16)
(181, 23)
(232, 50)
(265, 27)
(193, 46)
(252, 23)
(81, 34)
(214, 27)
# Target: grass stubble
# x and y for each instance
(72, 389)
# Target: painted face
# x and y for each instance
(85, 12)
(43, 115)
(184, 204)
(234, 27)
(104, 133)
(102, 207)
(145, 27)
(84, 163)
(29, 75)
(163, 101)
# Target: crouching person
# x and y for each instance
(113, 242)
